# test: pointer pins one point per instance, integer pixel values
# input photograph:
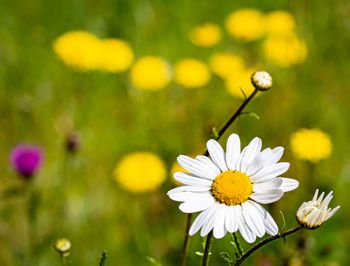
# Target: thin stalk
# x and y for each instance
(206, 254)
(187, 236)
(63, 259)
(264, 242)
(219, 135)
(238, 246)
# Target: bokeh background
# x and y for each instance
(43, 100)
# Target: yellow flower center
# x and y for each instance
(232, 187)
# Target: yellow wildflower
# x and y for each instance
(279, 23)
(79, 49)
(241, 81)
(311, 144)
(225, 64)
(205, 35)
(116, 55)
(191, 73)
(150, 73)
(140, 172)
(246, 24)
(285, 51)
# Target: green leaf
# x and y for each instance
(226, 257)
(250, 114)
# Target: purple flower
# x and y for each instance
(26, 159)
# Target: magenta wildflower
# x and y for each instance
(26, 159)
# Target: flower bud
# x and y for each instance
(73, 142)
(314, 213)
(63, 245)
(261, 80)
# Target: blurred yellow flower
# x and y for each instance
(241, 81)
(140, 172)
(285, 51)
(79, 49)
(150, 73)
(311, 144)
(279, 23)
(205, 35)
(116, 55)
(246, 24)
(225, 64)
(191, 73)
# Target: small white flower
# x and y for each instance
(228, 188)
(314, 213)
(63, 245)
(261, 80)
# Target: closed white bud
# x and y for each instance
(261, 80)
(63, 245)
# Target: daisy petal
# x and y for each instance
(198, 203)
(259, 162)
(246, 233)
(185, 196)
(196, 167)
(267, 196)
(192, 180)
(270, 224)
(231, 219)
(289, 184)
(217, 154)
(249, 153)
(219, 225)
(201, 219)
(233, 150)
(253, 218)
(206, 160)
(276, 155)
(273, 183)
(209, 224)
(188, 188)
(270, 171)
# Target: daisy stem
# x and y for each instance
(206, 254)
(265, 241)
(237, 245)
(236, 114)
(217, 137)
(187, 236)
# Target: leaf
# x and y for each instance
(215, 133)
(226, 257)
(250, 114)
(244, 95)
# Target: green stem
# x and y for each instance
(187, 236)
(217, 137)
(206, 254)
(63, 259)
(264, 242)
(238, 245)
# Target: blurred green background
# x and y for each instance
(39, 94)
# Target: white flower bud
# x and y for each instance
(63, 245)
(261, 80)
(314, 213)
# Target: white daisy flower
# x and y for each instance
(229, 188)
(314, 213)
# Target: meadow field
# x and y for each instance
(109, 93)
